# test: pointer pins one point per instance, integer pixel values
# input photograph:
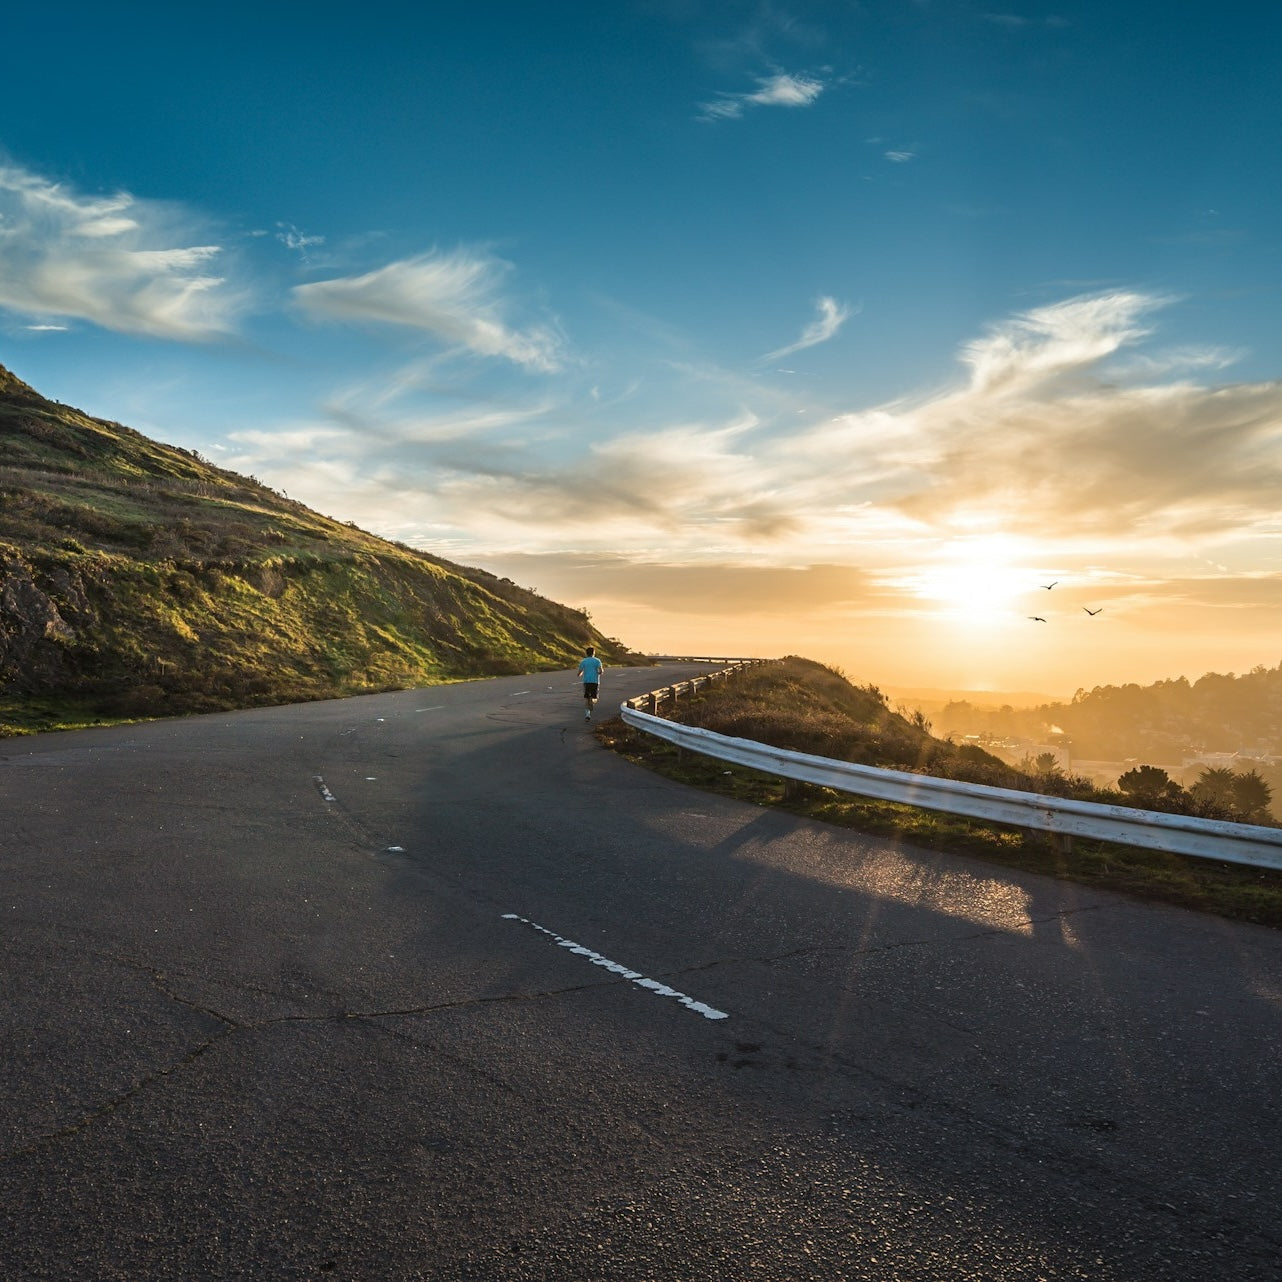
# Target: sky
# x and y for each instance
(899, 334)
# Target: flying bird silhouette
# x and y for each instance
(1090, 611)
(1037, 618)
(1048, 586)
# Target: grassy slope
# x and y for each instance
(136, 579)
(802, 705)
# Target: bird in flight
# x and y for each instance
(1090, 611)
(1048, 586)
(1037, 618)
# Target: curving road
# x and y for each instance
(427, 985)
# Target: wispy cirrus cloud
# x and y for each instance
(298, 241)
(114, 261)
(1049, 442)
(832, 316)
(779, 90)
(1028, 349)
(1176, 360)
(452, 296)
(1040, 439)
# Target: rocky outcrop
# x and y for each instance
(39, 616)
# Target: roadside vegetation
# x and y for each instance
(805, 706)
(139, 580)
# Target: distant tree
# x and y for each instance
(1149, 785)
(1246, 796)
(1252, 795)
(1215, 784)
(1045, 762)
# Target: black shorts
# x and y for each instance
(590, 689)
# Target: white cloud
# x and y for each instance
(900, 157)
(780, 90)
(451, 296)
(108, 260)
(292, 238)
(1047, 441)
(786, 91)
(1059, 339)
(1177, 360)
(832, 316)
(298, 441)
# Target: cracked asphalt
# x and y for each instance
(273, 1009)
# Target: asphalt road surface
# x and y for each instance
(428, 985)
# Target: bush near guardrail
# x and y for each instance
(1065, 817)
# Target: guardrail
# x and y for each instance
(650, 701)
(1151, 829)
(736, 661)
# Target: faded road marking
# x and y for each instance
(324, 791)
(633, 976)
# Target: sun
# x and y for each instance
(976, 580)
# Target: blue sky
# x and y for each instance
(831, 328)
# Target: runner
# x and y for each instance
(590, 668)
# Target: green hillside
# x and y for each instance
(137, 579)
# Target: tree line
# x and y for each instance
(1243, 796)
(1165, 721)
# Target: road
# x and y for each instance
(428, 985)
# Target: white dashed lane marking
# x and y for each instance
(615, 968)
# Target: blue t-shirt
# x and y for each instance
(590, 668)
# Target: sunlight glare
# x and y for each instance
(976, 580)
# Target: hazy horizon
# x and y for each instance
(782, 328)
